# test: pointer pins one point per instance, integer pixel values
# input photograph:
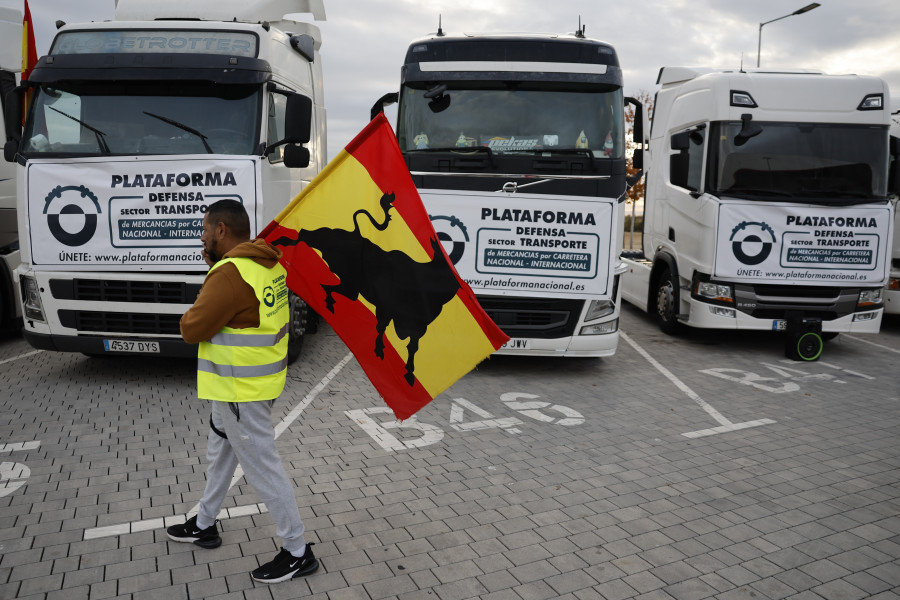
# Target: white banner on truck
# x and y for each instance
(781, 243)
(526, 244)
(122, 212)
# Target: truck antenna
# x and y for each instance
(440, 31)
(580, 32)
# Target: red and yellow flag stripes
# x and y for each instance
(359, 248)
(29, 55)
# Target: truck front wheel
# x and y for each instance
(296, 326)
(667, 303)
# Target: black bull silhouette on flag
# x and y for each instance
(409, 293)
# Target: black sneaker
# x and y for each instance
(286, 566)
(189, 532)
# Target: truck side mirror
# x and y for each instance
(679, 164)
(894, 170)
(384, 101)
(637, 136)
(297, 119)
(748, 130)
(681, 141)
(296, 156)
(10, 149)
(12, 114)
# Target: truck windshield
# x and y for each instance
(825, 163)
(514, 118)
(157, 118)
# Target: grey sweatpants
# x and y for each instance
(250, 443)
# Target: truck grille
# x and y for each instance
(533, 318)
(114, 290)
(118, 322)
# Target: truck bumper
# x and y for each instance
(94, 345)
(570, 347)
(703, 316)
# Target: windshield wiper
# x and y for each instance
(183, 127)
(485, 149)
(101, 142)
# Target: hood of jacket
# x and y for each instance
(259, 250)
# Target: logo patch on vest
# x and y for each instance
(268, 296)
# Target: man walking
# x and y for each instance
(240, 320)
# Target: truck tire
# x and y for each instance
(296, 326)
(666, 305)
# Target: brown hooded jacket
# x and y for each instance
(225, 298)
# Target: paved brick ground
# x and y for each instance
(591, 491)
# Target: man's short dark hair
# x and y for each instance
(233, 214)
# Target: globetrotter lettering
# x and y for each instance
(813, 221)
(172, 179)
(538, 216)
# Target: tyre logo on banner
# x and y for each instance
(749, 244)
(72, 213)
(454, 232)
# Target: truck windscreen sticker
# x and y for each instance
(772, 243)
(119, 213)
(232, 43)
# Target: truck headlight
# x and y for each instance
(714, 291)
(599, 308)
(601, 328)
(869, 299)
(31, 299)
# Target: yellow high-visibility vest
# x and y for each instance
(243, 365)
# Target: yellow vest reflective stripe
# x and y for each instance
(244, 365)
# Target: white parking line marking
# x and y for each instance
(726, 425)
(19, 446)
(26, 355)
(225, 513)
(837, 368)
(872, 343)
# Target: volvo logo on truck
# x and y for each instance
(73, 217)
(748, 242)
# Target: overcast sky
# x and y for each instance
(364, 41)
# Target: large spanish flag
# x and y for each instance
(359, 248)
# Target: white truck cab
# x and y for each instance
(766, 204)
(10, 71)
(135, 127)
(516, 144)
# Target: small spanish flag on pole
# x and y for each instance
(360, 249)
(29, 54)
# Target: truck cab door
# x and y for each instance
(286, 165)
(687, 170)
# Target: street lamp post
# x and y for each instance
(799, 11)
